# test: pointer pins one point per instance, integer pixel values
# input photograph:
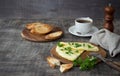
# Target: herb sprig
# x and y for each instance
(85, 64)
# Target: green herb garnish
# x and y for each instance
(59, 44)
(85, 64)
(83, 44)
(77, 51)
(62, 49)
(70, 43)
(68, 50)
(77, 45)
(90, 46)
(77, 62)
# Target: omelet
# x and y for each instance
(72, 50)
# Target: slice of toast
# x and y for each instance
(32, 25)
(53, 62)
(54, 35)
(65, 67)
(42, 29)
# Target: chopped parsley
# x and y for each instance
(90, 46)
(77, 51)
(77, 45)
(68, 50)
(59, 44)
(70, 43)
(62, 49)
(83, 45)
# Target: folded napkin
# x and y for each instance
(107, 40)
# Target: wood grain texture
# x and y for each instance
(36, 9)
(19, 57)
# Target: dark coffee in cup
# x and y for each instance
(83, 21)
(83, 24)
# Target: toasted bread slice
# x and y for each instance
(42, 29)
(53, 62)
(65, 67)
(54, 35)
(32, 25)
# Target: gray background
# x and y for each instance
(36, 9)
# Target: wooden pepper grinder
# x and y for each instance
(109, 16)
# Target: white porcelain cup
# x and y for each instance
(83, 25)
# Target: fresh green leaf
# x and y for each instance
(77, 61)
(88, 63)
(85, 64)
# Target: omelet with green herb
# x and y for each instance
(72, 50)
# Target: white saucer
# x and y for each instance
(72, 31)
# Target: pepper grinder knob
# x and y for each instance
(109, 9)
(109, 16)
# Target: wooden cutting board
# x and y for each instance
(83, 55)
(26, 34)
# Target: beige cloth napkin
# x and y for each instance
(107, 40)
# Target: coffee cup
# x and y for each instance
(83, 25)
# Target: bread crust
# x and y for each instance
(65, 67)
(39, 28)
(54, 35)
(32, 25)
(53, 62)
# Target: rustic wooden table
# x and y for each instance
(19, 57)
